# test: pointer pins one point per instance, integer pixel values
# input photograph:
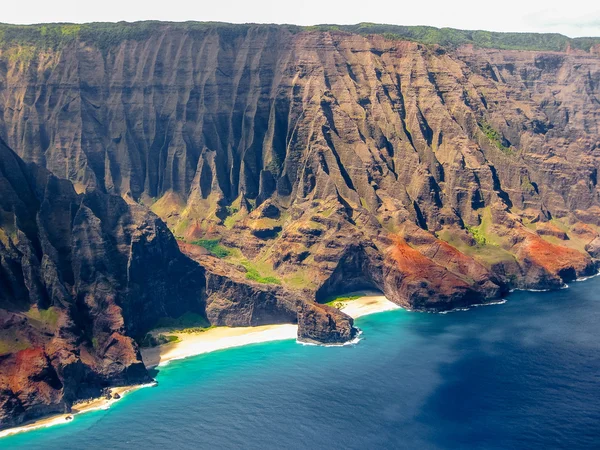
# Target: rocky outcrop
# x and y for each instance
(593, 248)
(324, 324)
(234, 300)
(30, 387)
(548, 229)
(81, 275)
(413, 280)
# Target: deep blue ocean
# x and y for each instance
(524, 374)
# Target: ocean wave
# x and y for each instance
(588, 277)
(531, 290)
(476, 305)
(354, 341)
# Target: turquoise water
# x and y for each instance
(525, 374)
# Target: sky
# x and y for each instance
(573, 18)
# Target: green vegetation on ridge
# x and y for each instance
(47, 318)
(451, 37)
(477, 234)
(253, 274)
(494, 137)
(488, 248)
(107, 35)
(213, 246)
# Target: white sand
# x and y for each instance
(369, 304)
(218, 338)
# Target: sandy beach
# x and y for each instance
(219, 338)
(368, 304)
(210, 340)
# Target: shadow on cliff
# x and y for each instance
(358, 269)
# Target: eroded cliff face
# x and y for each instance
(320, 153)
(80, 277)
(311, 163)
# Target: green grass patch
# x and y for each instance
(233, 217)
(12, 344)
(477, 234)
(328, 212)
(213, 246)
(153, 341)
(48, 318)
(167, 338)
(196, 329)
(488, 254)
(300, 279)
(253, 274)
(494, 137)
(560, 225)
(339, 302)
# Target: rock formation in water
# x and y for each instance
(291, 165)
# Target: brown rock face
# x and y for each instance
(553, 264)
(548, 229)
(346, 139)
(593, 248)
(233, 300)
(30, 386)
(80, 275)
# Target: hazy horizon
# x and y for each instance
(537, 16)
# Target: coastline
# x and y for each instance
(221, 338)
(218, 338)
(81, 408)
(197, 343)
